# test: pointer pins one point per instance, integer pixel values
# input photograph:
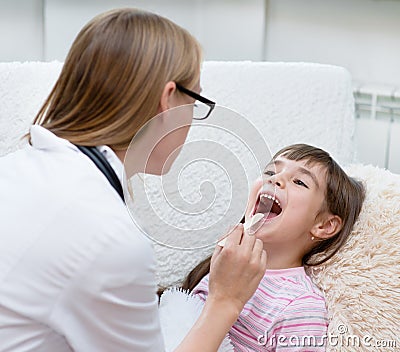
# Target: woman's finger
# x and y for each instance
(235, 237)
(264, 259)
(258, 249)
(248, 242)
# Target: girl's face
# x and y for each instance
(291, 196)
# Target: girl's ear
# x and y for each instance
(166, 96)
(328, 226)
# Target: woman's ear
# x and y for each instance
(327, 227)
(166, 96)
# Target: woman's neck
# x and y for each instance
(120, 154)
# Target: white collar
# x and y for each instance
(41, 138)
(113, 160)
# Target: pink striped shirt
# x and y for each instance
(286, 313)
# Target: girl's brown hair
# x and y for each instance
(113, 77)
(344, 197)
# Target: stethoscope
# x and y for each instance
(103, 165)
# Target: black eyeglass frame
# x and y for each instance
(211, 104)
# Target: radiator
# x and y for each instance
(377, 135)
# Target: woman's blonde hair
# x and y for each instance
(113, 77)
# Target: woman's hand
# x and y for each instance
(237, 268)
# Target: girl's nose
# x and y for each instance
(276, 180)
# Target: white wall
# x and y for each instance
(21, 30)
(227, 29)
(361, 35)
(44, 30)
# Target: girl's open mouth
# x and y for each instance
(268, 205)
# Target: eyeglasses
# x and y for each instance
(202, 106)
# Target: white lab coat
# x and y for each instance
(76, 274)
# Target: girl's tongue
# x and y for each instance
(270, 215)
(268, 206)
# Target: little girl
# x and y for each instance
(310, 206)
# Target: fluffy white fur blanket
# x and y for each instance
(178, 313)
(362, 282)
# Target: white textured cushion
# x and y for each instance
(23, 89)
(288, 102)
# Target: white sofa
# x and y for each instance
(288, 103)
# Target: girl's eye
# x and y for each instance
(300, 183)
(269, 173)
